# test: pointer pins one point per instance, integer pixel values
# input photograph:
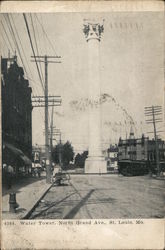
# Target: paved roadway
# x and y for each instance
(106, 196)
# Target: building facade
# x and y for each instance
(16, 114)
(133, 149)
(112, 159)
(141, 149)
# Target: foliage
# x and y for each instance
(80, 159)
(65, 151)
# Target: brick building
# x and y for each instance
(141, 149)
(16, 115)
(133, 149)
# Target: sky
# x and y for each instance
(131, 66)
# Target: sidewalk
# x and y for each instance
(28, 192)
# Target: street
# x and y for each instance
(105, 196)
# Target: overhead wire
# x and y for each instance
(21, 46)
(31, 43)
(22, 49)
(45, 33)
(15, 41)
(11, 30)
(46, 53)
(52, 47)
(38, 54)
(7, 37)
(36, 46)
(4, 45)
(44, 40)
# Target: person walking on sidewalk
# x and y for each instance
(10, 174)
(38, 167)
(39, 172)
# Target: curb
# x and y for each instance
(27, 215)
(109, 173)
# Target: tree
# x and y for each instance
(65, 151)
(56, 153)
(80, 159)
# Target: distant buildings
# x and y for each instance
(38, 154)
(141, 149)
(112, 160)
(133, 149)
(16, 116)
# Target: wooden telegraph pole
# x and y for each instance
(45, 102)
(153, 113)
(57, 132)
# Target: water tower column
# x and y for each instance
(95, 163)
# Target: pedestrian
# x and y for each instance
(4, 171)
(35, 171)
(10, 174)
(38, 167)
(39, 172)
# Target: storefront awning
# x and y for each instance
(26, 160)
(18, 153)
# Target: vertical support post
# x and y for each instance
(46, 104)
(51, 135)
(48, 167)
(60, 152)
(156, 143)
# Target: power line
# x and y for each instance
(25, 59)
(43, 36)
(15, 41)
(52, 46)
(36, 46)
(31, 43)
(11, 30)
(5, 43)
(46, 36)
(37, 32)
(7, 37)
(21, 47)
(24, 55)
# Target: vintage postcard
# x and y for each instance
(82, 125)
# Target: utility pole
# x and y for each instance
(57, 132)
(48, 166)
(46, 104)
(60, 152)
(153, 113)
(51, 135)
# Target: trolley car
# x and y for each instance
(133, 167)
